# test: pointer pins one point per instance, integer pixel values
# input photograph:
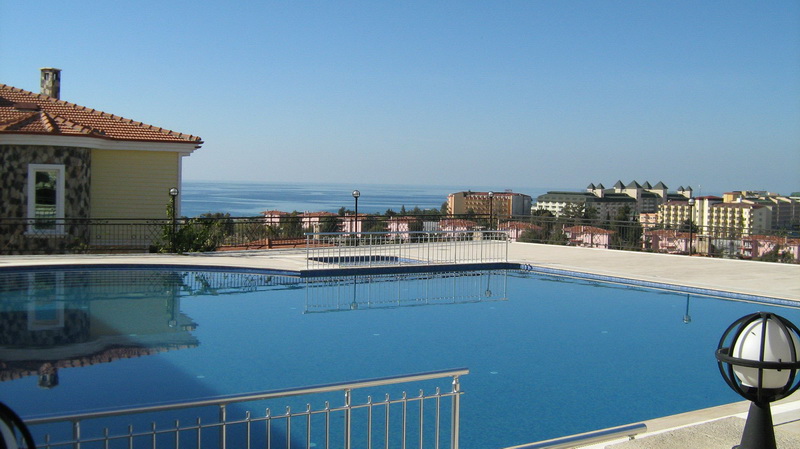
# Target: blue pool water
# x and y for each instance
(548, 356)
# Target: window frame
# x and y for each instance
(58, 229)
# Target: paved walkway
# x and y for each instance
(739, 276)
(699, 429)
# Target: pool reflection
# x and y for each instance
(55, 320)
(345, 293)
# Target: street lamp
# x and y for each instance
(356, 194)
(691, 225)
(758, 358)
(491, 197)
(173, 193)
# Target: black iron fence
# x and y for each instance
(219, 233)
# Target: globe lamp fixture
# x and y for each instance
(758, 358)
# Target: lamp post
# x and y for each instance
(356, 194)
(173, 193)
(691, 225)
(491, 197)
(758, 358)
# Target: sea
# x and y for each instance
(244, 199)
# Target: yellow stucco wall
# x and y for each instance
(132, 184)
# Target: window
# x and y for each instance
(45, 199)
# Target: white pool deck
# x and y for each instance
(717, 427)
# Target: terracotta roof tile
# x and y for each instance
(24, 112)
(588, 230)
(519, 225)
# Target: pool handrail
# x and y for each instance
(75, 420)
(246, 397)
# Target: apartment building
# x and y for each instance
(785, 210)
(638, 198)
(716, 218)
(502, 204)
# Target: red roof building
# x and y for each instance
(61, 161)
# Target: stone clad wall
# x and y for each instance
(14, 161)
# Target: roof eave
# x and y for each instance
(97, 142)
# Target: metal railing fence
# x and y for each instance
(422, 420)
(217, 233)
(367, 249)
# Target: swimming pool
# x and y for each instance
(548, 355)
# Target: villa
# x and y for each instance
(61, 162)
(401, 227)
(589, 236)
(514, 229)
(669, 241)
(755, 246)
(457, 225)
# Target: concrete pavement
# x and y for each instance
(738, 276)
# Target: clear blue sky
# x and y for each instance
(472, 93)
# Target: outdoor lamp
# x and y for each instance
(356, 194)
(173, 192)
(691, 225)
(758, 358)
(491, 196)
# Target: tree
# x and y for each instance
(688, 226)
(579, 213)
(291, 227)
(204, 233)
(628, 230)
(776, 255)
(328, 224)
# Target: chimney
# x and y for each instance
(51, 82)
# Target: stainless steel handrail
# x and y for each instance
(366, 249)
(255, 396)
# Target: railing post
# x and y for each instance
(481, 243)
(456, 413)
(369, 245)
(347, 417)
(223, 430)
(76, 434)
